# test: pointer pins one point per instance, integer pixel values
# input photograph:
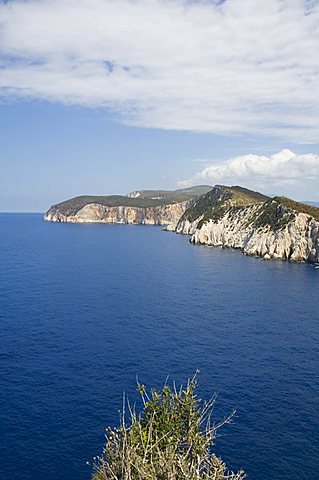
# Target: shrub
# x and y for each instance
(171, 439)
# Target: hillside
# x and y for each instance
(312, 210)
(139, 199)
(214, 203)
(271, 228)
(179, 195)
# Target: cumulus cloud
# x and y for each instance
(281, 172)
(231, 67)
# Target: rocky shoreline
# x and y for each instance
(228, 217)
(95, 213)
(296, 241)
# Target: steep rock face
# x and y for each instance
(186, 226)
(230, 217)
(271, 230)
(214, 204)
(153, 207)
(97, 213)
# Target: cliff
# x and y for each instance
(96, 213)
(152, 207)
(232, 217)
(229, 217)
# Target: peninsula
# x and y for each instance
(229, 217)
(148, 207)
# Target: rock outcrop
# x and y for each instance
(97, 213)
(276, 228)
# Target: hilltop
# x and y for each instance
(139, 199)
(216, 201)
(154, 207)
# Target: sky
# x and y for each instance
(110, 96)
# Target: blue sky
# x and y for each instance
(101, 97)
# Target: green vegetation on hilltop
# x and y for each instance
(176, 195)
(279, 211)
(145, 198)
(299, 207)
(273, 215)
(206, 203)
(171, 439)
(276, 212)
(219, 200)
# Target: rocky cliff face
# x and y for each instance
(273, 229)
(152, 207)
(229, 217)
(97, 213)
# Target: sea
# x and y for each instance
(87, 311)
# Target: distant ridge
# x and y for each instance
(183, 193)
(314, 204)
(139, 198)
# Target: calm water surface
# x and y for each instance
(86, 308)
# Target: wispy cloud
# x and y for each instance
(283, 172)
(227, 67)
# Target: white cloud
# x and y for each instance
(284, 172)
(233, 67)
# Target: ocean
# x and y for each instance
(88, 309)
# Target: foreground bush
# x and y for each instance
(171, 439)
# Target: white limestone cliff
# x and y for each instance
(97, 213)
(229, 217)
(296, 239)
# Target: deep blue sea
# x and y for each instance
(87, 308)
